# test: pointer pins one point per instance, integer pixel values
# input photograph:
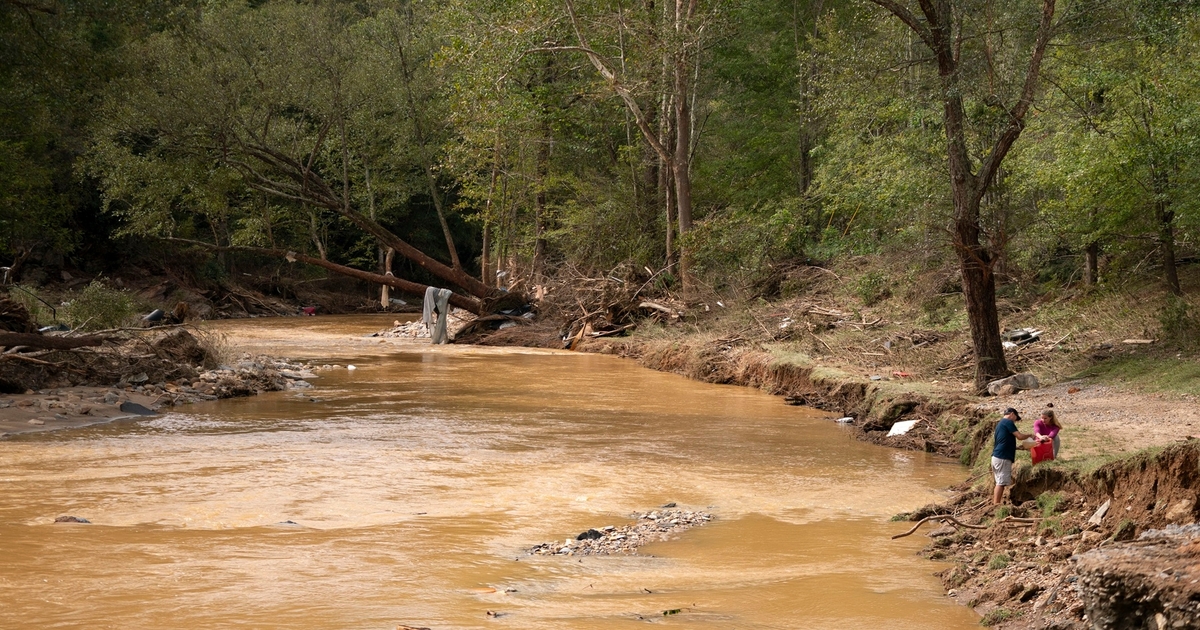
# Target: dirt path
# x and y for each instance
(1104, 419)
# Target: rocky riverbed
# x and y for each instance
(137, 395)
(648, 527)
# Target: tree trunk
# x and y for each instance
(539, 203)
(936, 29)
(436, 195)
(37, 340)
(1091, 263)
(683, 141)
(385, 295)
(1166, 240)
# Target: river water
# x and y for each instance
(414, 484)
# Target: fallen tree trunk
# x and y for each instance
(469, 303)
(34, 340)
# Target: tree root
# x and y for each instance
(937, 517)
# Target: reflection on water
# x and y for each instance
(405, 492)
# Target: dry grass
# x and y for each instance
(918, 331)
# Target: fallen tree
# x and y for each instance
(473, 304)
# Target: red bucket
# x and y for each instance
(1043, 452)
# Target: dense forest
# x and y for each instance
(700, 145)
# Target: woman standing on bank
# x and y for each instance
(1046, 429)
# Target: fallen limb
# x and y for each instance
(464, 302)
(34, 340)
(29, 360)
(937, 517)
(659, 307)
(616, 331)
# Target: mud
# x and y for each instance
(1061, 554)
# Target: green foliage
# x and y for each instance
(998, 561)
(99, 307)
(1180, 326)
(872, 288)
(40, 309)
(736, 247)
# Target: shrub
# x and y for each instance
(97, 307)
(872, 288)
(1179, 323)
(39, 309)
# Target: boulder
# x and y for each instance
(1018, 382)
(1150, 583)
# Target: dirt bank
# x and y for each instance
(1013, 565)
(131, 378)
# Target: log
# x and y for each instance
(34, 340)
(464, 302)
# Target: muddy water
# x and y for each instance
(405, 491)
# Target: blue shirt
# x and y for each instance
(1006, 442)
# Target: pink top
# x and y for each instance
(1041, 427)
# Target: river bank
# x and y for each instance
(1015, 573)
(1129, 468)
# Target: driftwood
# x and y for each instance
(659, 307)
(1015, 520)
(937, 517)
(616, 331)
(33, 340)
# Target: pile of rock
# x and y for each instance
(647, 528)
(458, 318)
(251, 375)
(412, 330)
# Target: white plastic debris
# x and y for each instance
(900, 428)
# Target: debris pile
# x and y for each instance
(415, 329)
(647, 528)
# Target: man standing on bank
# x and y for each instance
(1005, 452)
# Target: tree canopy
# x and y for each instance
(490, 143)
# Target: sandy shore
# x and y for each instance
(68, 408)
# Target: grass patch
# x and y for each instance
(998, 561)
(1150, 373)
(997, 616)
(1048, 502)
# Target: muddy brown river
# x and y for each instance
(407, 491)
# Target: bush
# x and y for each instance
(1179, 324)
(98, 307)
(39, 309)
(872, 288)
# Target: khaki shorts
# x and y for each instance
(1002, 471)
